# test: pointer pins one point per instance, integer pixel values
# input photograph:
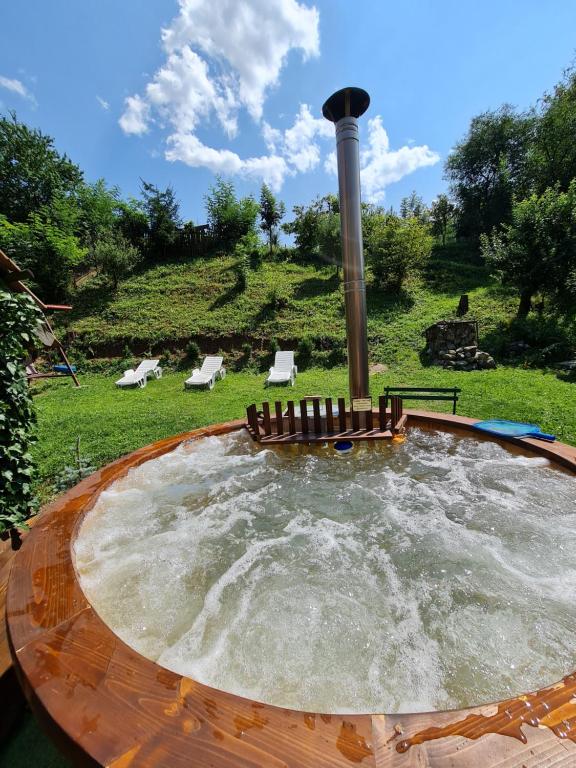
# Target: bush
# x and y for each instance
(72, 474)
(245, 358)
(193, 352)
(115, 258)
(305, 349)
(18, 318)
(396, 247)
(278, 298)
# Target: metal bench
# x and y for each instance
(424, 393)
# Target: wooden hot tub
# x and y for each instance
(105, 705)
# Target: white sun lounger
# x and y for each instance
(139, 377)
(283, 371)
(212, 370)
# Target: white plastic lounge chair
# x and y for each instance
(139, 377)
(283, 371)
(212, 370)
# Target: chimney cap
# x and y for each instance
(348, 102)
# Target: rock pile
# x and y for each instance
(465, 359)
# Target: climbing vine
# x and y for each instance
(18, 318)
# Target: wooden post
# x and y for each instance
(329, 415)
(279, 418)
(267, 423)
(396, 408)
(382, 413)
(252, 417)
(317, 419)
(303, 417)
(369, 421)
(355, 418)
(291, 418)
(341, 414)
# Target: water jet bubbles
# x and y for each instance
(326, 583)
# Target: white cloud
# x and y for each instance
(223, 56)
(380, 166)
(136, 116)
(103, 103)
(15, 86)
(251, 37)
(190, 150)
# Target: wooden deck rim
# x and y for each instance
(107, 705)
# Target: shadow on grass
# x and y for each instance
(385, 306)
(549, 339)
(316, 286)
(225, 298)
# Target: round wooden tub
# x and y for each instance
(105, 705)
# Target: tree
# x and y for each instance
(536, 251)
(32, 171)
(47, 250)
(396, 247)
(229, 218)
(132, 223)
(271, 213)
(441, 216)
(553, 156)
(306, 227)
(98, 211)
(489, 167)
(414, 207)
(115, 257)
(329, 238)
(162, 211)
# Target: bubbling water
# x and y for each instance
(435, 574)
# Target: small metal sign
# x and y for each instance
(362, 404)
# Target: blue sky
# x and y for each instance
(236, 86)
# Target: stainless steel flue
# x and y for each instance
(343, 108)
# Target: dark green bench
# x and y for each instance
(424, 393)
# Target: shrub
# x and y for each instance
(72, 474)
(193, 352)
(396, 247)
(305, 349)
(18, 318)
(246, 357)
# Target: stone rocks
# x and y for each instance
(468, 358)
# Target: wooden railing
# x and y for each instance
(273, 424)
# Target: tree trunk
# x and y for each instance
(270, 241)
(525, 303)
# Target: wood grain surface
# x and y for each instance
(107, 705)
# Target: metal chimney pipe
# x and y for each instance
(343, 108)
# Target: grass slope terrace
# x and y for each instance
(165, 306)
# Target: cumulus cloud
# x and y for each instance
(15, 86)
(380, 166)
(251, 37)
(224, 56)
(136, 116)
(103, 103)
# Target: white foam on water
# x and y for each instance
(432, 574)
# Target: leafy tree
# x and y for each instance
(162, 211)
(489, 167)
(553, 156)
(33, 172)
(98, 211)
(115, 257)
(271, 213)
(536, 251)
(229, 218)
(396, 247)
(306, 227)
(329, 239)
(48, 251)
(414, 206)
(132, 223)
(441, 216)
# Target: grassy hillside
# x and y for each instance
(166, 306)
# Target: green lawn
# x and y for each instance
(112, 422)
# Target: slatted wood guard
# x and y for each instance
(315, 426)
